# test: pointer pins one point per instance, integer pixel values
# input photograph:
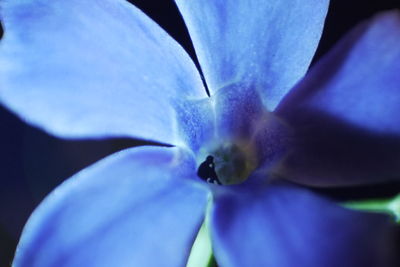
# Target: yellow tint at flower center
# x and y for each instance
(232, 162)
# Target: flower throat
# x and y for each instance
(226, 164)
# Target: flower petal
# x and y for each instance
(346, 111)
(241, 115)
(93, 69)
(267, 45)
(135, 208)
(286, 226)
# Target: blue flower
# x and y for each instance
(102, 69)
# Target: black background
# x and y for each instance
(32, 163)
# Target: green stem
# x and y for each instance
(388, 206)
(201, 252)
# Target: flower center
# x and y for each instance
(227, 163)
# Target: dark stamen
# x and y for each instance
(206, 171)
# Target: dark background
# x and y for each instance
(32, 163)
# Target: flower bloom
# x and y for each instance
(102, 69)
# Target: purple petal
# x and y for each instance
(287, 226)
(134, 208)
(264, 45)
(345, 113)
(93, 69)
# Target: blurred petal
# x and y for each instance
(265, 45)
(346, 111)
(286, 226)
(134, 208)
(93, 69)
